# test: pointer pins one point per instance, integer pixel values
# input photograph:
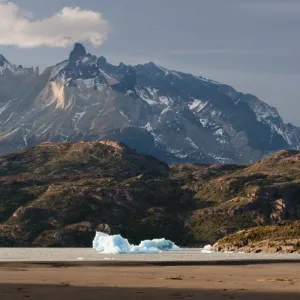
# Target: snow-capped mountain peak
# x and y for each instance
(172, 115)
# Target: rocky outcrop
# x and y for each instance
(283, 237)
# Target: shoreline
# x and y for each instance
(183, 257)
(212, 282)
(116, 263)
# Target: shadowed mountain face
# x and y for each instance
(174, 116)
(58, 194)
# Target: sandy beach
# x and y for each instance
(79, 281)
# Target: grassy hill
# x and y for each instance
(58, 194)
(282, 237)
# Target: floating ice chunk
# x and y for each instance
(160, 244)
(111, 244)
(116, 244)
(140, 250)
(207, 249)
(96, 239)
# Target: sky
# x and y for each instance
(252, 45)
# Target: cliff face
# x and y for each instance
(58, 194)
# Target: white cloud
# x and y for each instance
(71, 24)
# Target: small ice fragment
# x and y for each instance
(207, 249)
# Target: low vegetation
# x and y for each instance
(59, 194)
(282, 237)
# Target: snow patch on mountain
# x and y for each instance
(78, 116)
(223, 160)
(124, 116)
(129, 92)
(9, 133)
(144, 95)
(165, 110)
(204, 122)
(192, 143)
(165, 100)
(88, 61)
(57, 68)
(263, 111)
(197, 105)
(270, 116)
(148, 127)
(5, 107)
(88, 83)
(152, 91)
(219, 131)
(169, 72)
(7, 120)
(45, 129)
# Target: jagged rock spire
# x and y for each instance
(78, 52)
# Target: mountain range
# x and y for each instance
(174, 116)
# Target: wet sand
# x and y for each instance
(78, 281)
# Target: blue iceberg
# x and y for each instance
(116, 244)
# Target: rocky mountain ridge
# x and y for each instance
(174, 116)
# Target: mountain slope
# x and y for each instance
(58, 194)
(174, 116)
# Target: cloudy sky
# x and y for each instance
(252, 45)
